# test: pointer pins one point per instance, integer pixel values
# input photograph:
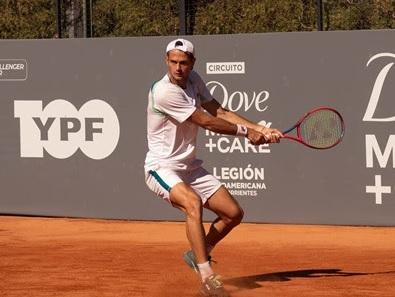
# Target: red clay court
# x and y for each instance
(47, 257)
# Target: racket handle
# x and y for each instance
(288, 130)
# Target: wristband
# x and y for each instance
(241, 130)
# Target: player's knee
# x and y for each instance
(238, 216)
(235, 217)
(194, 207)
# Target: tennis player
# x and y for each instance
(178, 105)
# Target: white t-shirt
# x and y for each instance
(171, 138)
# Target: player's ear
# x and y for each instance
(193, 61)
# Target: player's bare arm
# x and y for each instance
(218, 125)
(216, 110)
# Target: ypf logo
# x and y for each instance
(61, 129)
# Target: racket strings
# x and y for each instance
(321, 129)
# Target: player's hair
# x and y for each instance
(190, 56)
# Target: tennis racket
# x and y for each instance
(320, 128)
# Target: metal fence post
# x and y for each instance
(59, 18)
(319, 15)
(183, 17)
(87, 18)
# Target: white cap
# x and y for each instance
(182, 45)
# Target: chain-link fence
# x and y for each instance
(109, 18)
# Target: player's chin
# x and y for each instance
(178, 78)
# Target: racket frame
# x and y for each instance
(299, 139)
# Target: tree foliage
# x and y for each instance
(37, 18)
(27, 19)
(224, 17)
(135, 18)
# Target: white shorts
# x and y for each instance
(162, 180)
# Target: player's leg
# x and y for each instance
(170, 186)
(201, 186)
(184, 198)
(216, 198)
(229, 212)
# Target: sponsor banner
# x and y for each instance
(61, 129)
(380, 152)
(13, 69)
(225, 68)
(73, 142)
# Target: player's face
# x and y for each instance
(179, 65)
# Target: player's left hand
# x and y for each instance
(256, 137)
(272, 135)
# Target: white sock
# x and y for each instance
(205, 270)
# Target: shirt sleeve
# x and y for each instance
(174, 103)
(204, 93)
